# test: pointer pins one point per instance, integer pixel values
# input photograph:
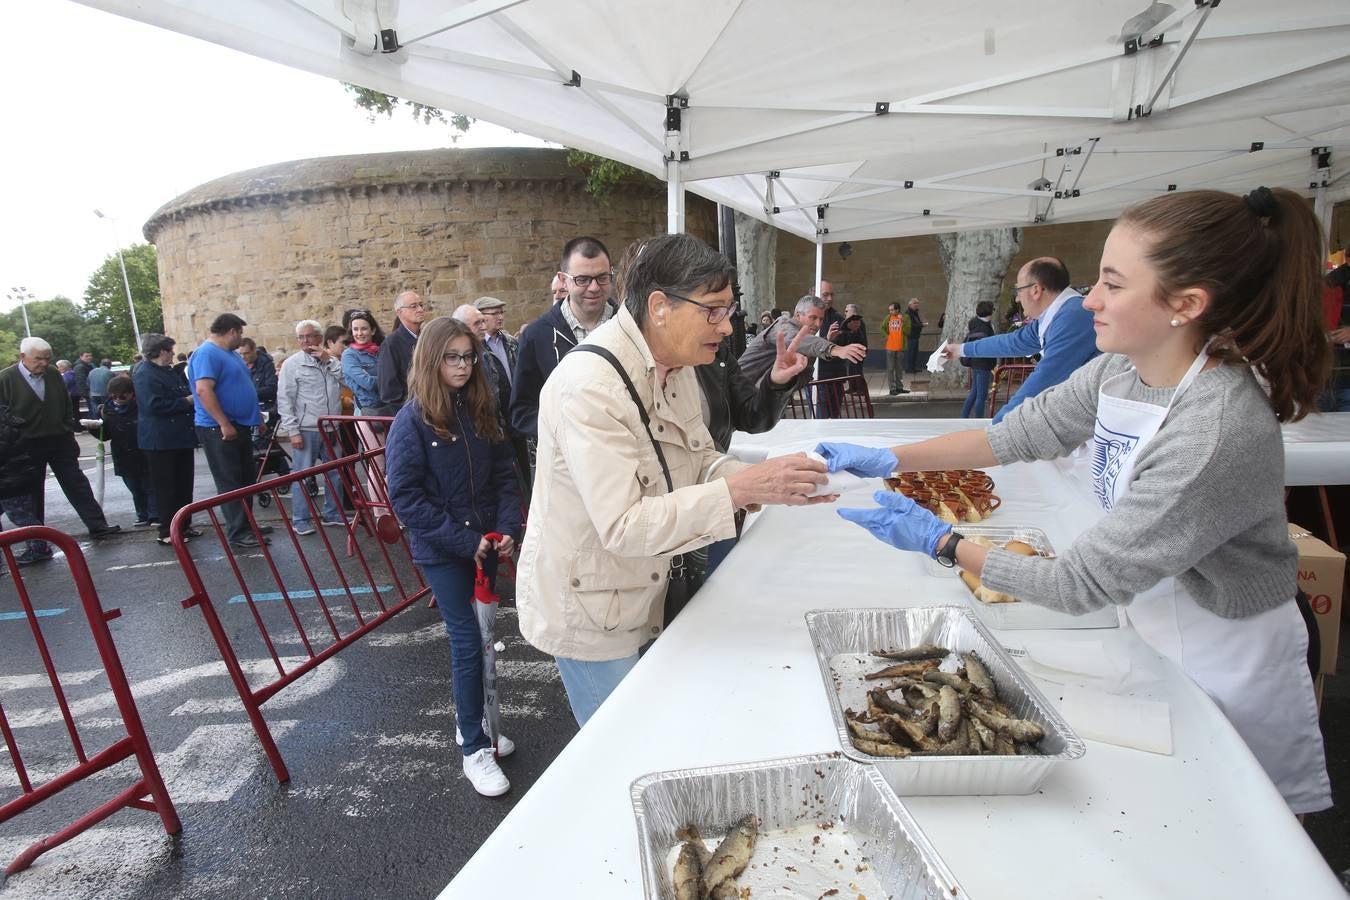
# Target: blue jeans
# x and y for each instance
(312, 453)
(142, 496)
(19, 508)
(980, 379)
(452, 583)
(589, 683)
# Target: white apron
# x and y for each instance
(1254, 668)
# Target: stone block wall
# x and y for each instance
(313, 238)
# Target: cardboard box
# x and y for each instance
(1321, 575)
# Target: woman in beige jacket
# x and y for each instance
(603, 525)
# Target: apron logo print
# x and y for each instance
(1110, 449)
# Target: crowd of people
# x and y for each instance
(608, 419)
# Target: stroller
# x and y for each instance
(270, 456)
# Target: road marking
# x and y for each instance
(102, 862)
(40, 613)
(148, 688)
(427, 634)
(315, 682)
(215, 761)
(149, 565)
(307, 595)
(21, 682)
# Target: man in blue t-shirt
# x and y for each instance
(226, 410)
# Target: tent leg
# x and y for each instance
(820, 259)
(1323, 213)
(674, 199)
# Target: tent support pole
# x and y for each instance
(674, 198)
(820, 258)
(1323, 213)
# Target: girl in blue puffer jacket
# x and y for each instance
(451, 482)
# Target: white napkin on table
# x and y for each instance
(936, 361)
(838, 482)
(1114, 719)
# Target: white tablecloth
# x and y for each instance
(1317, 450)
(735, 679)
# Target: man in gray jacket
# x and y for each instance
(310, 386)
(760, 353)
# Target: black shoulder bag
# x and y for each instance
(683, 581)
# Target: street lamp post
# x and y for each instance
(126, 283)
(22, 294)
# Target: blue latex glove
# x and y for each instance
(865, 462)
(900, 522)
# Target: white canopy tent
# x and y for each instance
(865, 119)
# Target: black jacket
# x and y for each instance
(734, 403)
(977, 328)
(832, 368)
(165, 421)
(391, 368)
(264, 375)
(546, 341)
(501, 385)
(119, 428)
(19, 474)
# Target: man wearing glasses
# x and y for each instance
(588, 275)
(762, 350)
(391, 368)
(1060, 330)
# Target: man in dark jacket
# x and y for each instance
(391, 367)
(35, 393)
(829, 400)
(83, 366)
(19, 478)
(263, 371)
(587, 274)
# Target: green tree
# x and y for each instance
(106, 327)
(378, 103)
(602, 174)
(57, 321)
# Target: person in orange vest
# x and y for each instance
(895, 349)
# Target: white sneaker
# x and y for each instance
(484, 774)
(505, 746)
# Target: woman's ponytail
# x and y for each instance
(1260, 259)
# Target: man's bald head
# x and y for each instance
(473, 317)
(1039, 282)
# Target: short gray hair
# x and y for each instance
(806, 303)
(680, 263)
(29, 344)
(463, 311)
(299, 326)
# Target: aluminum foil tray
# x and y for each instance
(1023, 615)
(843, 638)
(887, 855)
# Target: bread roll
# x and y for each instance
(1020, 547)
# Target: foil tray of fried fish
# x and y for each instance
(805, 826)
(929, 697)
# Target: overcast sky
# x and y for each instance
(108, 113)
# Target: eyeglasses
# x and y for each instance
(1019, 288)
(309, 336)
(716, 314)
(413, 306)
(454, 360)
(584, 281)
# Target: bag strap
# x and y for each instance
(637, 401)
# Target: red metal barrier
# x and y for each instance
(378, 561)
(845, 397)
(147, 792)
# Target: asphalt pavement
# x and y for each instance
(377, 805)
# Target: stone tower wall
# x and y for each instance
(313, 238)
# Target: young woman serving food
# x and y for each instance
(1206, 310)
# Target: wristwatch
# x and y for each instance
(946, 557)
